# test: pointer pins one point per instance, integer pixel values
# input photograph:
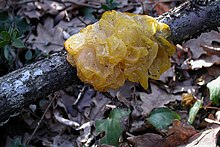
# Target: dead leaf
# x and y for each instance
(62, 141)
(124, 93)
(178, 134)
(217, 116)
(161, 8)
(50, 7)
(204, 49)
(185, 86)
(157, 98)
(188, 99)
(205, 39)
(3, 4)
(49, 38)
(211, 50)
(73, 26)
(82, 108)
(167, 74)
(206, 138)
(214, 71)
(98, 108)
(126, 90)
(205, 61)
(66, 101)
(65, 121)
(138, 125)
(30, 11)
(86, 137)
(146, 140)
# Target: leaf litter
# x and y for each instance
(74, 125)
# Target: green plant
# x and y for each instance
(112, 127)
(110, 5)
(12, 29)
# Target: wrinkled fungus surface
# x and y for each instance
(118, 47)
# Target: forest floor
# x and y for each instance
(179, 108)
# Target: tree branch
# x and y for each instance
(35, 81)
(192, 18)
(23, 86)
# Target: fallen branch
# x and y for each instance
(35, 81)
(192, 18)
(23, 86)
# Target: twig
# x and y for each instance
(83, 4)
(80, 95)
(212, 121)
(27, 110)
(65, 121)
(210, 107)
(67, 7)
(143, 8)
(86, 24)
(41, 119)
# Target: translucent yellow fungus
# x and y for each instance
(118, 47)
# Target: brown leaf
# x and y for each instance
(211, 50)
(178, 134)
(146, 140)
(157, 98)
(188, 99)
(214, 71)
(206, 138)
(204, 39)
(49, 38)
(204, 50)
(124, 93)
(161, 8)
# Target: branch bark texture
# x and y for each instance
(35, 81)
(192, 18)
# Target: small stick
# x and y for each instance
(41, 119)
(80, 95)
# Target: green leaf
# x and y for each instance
(105, 7)
(161, 118)
(194, 110)
(5, 36)
(4, 16)
(110, 5)
(16, 142)
(3, 43)
(6, 52)
(28, 55)
(112, 127)
(14, 34)
(88, 13)
(214, 90)
(18, 43)
(22, 25)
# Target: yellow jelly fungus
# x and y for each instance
(119, 47)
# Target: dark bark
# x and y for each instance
(35, 81)
(192, 18)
